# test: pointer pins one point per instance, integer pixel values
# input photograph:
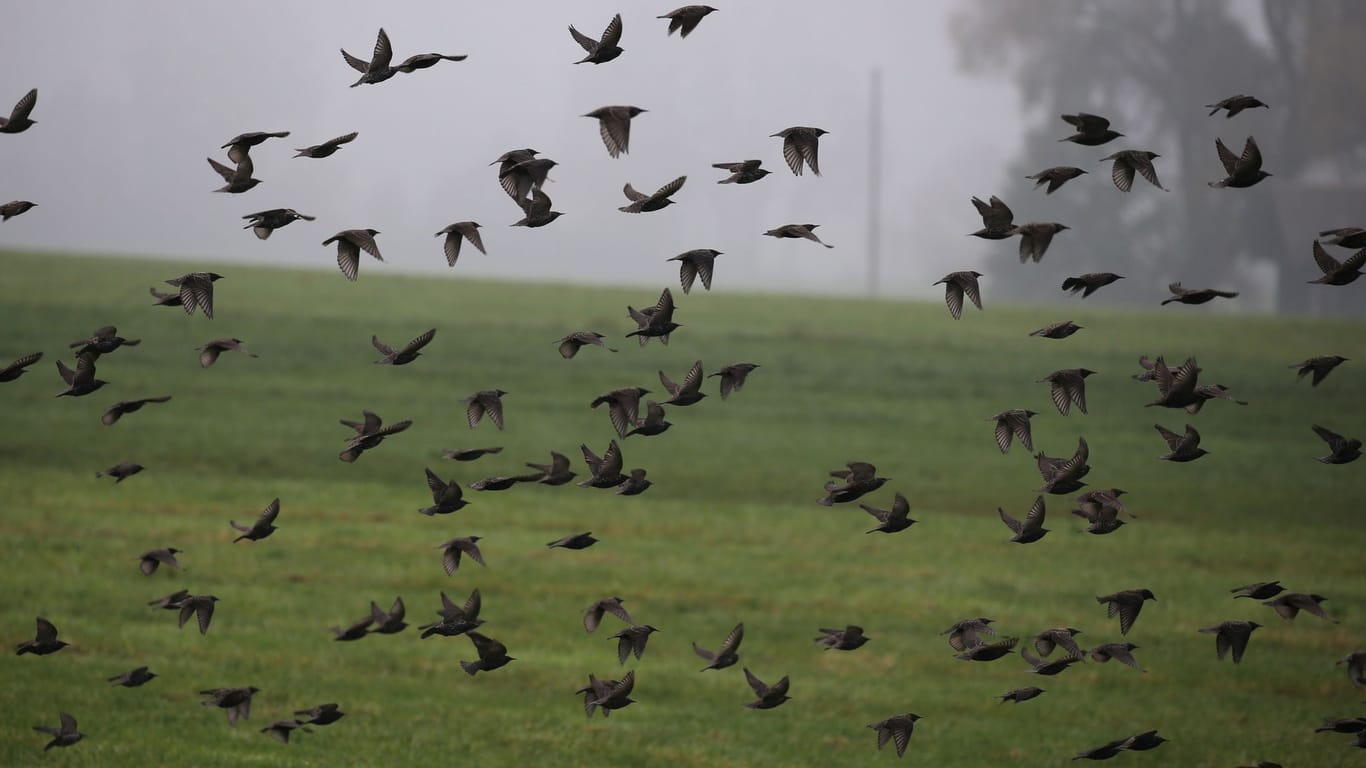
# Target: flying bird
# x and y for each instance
(1068, 387)
(614, 124)
(1195, 295)
(1031, 528)
(455, 233)
(102, 342)
(469, 454)
(1289, 605)
(743, 172)
(848, 639)
(133, 678)
(454, 548)
(1231, 635)
(1035, 237)
(369, 434)
(989, 651)
(733, 377)
(623, 407)
(1103, 752)
(264, 525)
(1235, 104)
(897, 729)
(1342, 450)
(18, 120)
(891, 520)
(725, 656)
(684, 20)
(525, 177)
(574, 541)
(327, 148)
(81, 381)
(44, 640)
(1121, 652)
(655, 322)
(1018, 695)
(604, 49)
(1319, 366)
(956, 284)
(485, 401)
(768, 696)
(1057, 637)
(208, 354)
(606, 471)
(350, 242)
(1356, 667)
(570, 344)
(199, 606)
(1338, 272)
(239, 146)
(15, 369)
(196, 291)
(1345, 237)
(1091, 130)
(643, 203)
(1127, 162)
(389, 622)
(121, 471)
(236, 701)
(632, 640)
(687, 392)
(14, 208)
(149, 561)
(323, 714)
(998, 221)
(280, 729)
(859, 478)
(800, 146)
(238, 178)
(1060, 475)
(446, 496)
(410, 351)
(592, 617)
(694, 264)
(263, 223)
(1243, 170)
(1089, 283)
(965, 634)
(65, 734)
(1127, 603)
(803, 231)
(557, 472)
(654, 422)
(1057, 330)
(1055, 177)
(616, 696)
(1181, 448)
(377, 69)
(1260, 590)
(537, 211)
(1049, 667)
(1014, 422)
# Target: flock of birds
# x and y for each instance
(522, 174)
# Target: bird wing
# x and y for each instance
(1251, 159)
(611, 466)
(1011, 523)
(808, 145)
(1034, 519)
(359, 65)
(760, 689)
(24, 107)
(953, 297)
(970, 287)
(793, 154)
(419, 342)
(348, 258)
(1334, 440)
(1122, 174)
(588, 44)
(632, 194)
(1226, 156)
(383, 53)
(1173, 439)
(384, 349)
(611, 36)
(669, 189)
(269, 514)
(46, 631)
(1327, 263)
(1128, 614)
(732, 641)
(223, 170)
(616, 133)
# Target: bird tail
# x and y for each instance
(470, 667)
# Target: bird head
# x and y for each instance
(1148, 594)
(1085, 372)
(636, 110)
(213, 276)
(372, 232)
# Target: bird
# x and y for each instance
(725, 656)
(616, 696)
(1057, 330)
(655, 322)
(1091, 130)
(1356, 667)
(469, 454)
(1014, 422)
(44, 640)
(897, 729)
(1061, 475)
(280, 729)
(452, 549)
(632, 640)
(196, 291)
(643, 203)
(654, 422)
(800, 145)
(998, 220)
(208, 354)
(467, 230)
(16, 207)
(964, 634)
(354, 631)
(410, 351)
(426, 61)
(172, 601)
(848, 639)
(323, 714)
(1342, 450)
(1260, 590)
(1018, 695)
(1342, 725)
(1175, 388)
(956, 284)
(614, 124)
(81, 381)
(1104, 498)
(350, 242)
(485, 401)
(102, 342)
(1049, 667)
(1101, 519)
(803, 231)
(1035, 237)
(1195, 296)
(1031, 528)
(1057, 637)
(694, 264)
(570, 344)
(199, 606)
(686, 392)
(684, 20)
(1181, 448)
(768, 696)
(149, 561)
(592, 617)
(537, 211)
(238, 179)
(507, 164)
(743, 172)
(377, 69)
(492, 654)
(1089, 283)
(1127, 162)
(574, 541)
(133, 678)
(1345, 237)
(1145, 741)
(263, 223)
(121, 471)
(557, 472)
(524, 177)
(989, 651)
(733, 377)
(891, 520)
(1121, 652)
(859, 478)
(240, 145)
(1319, 366)
(456, 620)
(1103, 752)
(327, 148)
(15, 369)
(1231, 635)
(65, 734)
(1055, 177)
(498, 482)
(236, 701)
(594, 691)
(446, 496)
(635, 484)
(1289, 605)
(1337, 272)
(623, 407)
(264, 525)
(18, 120)
(605, 48)
(164, 299)
(369, 434)
(389, 622)
(1235, 104)
(1243, 170)
(1068, 387)
(1127, 603)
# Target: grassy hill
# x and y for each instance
(728, 533)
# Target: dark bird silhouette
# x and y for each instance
(410, 351)
(616, 696)
(557, 472)
(592, 617)
(1014, 422)
(1260, 590)
(485, 401)
(1121, 652)
(1049, 667)
(264, 525)
(280, 729)
(236, 701)
(507, 163)
(369, 434)
(1057, 330)
(694, 264)
(604, 49)
(614, 123)
(81, 381)
(801, 144)
(377, 69)
(1089, 283)
(427, 61)
(1231, 635)
(323, 714)
(65, 734)
(133, 678)
(1243, 170)
(240, 145)
(164, 299)
(456, 620)
(998, 220)
(196, 291)
(1107, 498)
(466, 230)
(1345, 237)
(594, 691)
(1356, 667)
(1127, 603)
(1068, 387)
(1175, 388)
(1342, 450)
(1342, 725)
(623, 407)
(733, 377)
(643, 203)
(859, 478)
(200, 607)
(238, 179)
(655, 322)
(965, 634)
(350, 242)
(1057, 637)
(18, 120)
(263, 223)
(803, 231)
(537, 211)
(172, 601)
(684, 20)
(44, 640)
(389, 622)
(1091, 130)
(469, 454)
(1196, 295)
(149, 561)
(102, 342)
(1127, 162)
(1060, 475)
(989, 651)
(1018, 695)
(654, 422)
(454, 548)
(1142, 742)
(525, 177)
(1181, 448)
(687, 392)
(446, 496)
(208, 354)
(768, 696)
(956, 284)
(570, 345)
(1103, 752)
(725, 656)
(1289, 605)
(848, 639)
(492, 654)
(14, 208)
(891, 520)
(1101, 518)
(327, 148)
(1035, 237)
(1055, 177)
(1337, 272)
(635, 484)
(354, 631)
(743, 172)
(1235, 104)
(15, 369)
(1031, 528)
(897, 729)
(574, 541)
(121, 471)
(632, 640)
(1319, 366)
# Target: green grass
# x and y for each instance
(728, 533)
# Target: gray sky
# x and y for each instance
(133, 96)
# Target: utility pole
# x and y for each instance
(874, 205)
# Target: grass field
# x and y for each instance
(729, 531)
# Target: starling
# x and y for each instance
(469, 454)
(684, 20)
(1092, 130)
(1175, 388)
(570, 345)
(199, 606)
(1242, 171)
(694, 264)
(237, 701)
(327, 148)
(350, 242)
(1289, 605)
(354, 631)
(964, 634)
(727, 655)
(1319, 366)
(955, 285)
(1145, 741)
(1055, 177)
(1127, 604)
(1089, 283)
(769, 696)
(1343, 450)
(997, 219)
(1019, 695)
(1106, 498)
(1101, 519)
(44, 640)
(606, 471)
(743, 172)
(407, 354)
(133, 678)
(537, 210)
(172, 601)
(18, 120)
(891, 520)
(377, 69)
(557, 472)
(16, 369)
(575, 541)
(1121, 652)
(164, 299)
(632, 640)
(688, 391)
(594, 691)
(1195, 296)
(654, 422)
(485, 401)
(1231, 634)
(614, 124)
(103, 341)
(456, 620)
(369, 434)
(391, 622)
(1342, 725)
(451, 551)
(238, 179)
(1060, 475)
(446, 496)
(196, 291)
(623, 406)
(1068, 388)
(1013, 422)
(733, 377)
(525, 177)
(1058, 637)
(1031, 529)
(468, 230)
(1338, 272)
(604, 49)
(323, 714)
(860, 478)
(797, 231)
(1260, 590)
(617, 696)
(643, 203)
(1035, 238)
(121, 471)
(1345, 237)
(240, 145)
(1235, 104)
(81, 381)
(15, 207)
(1356, 667)
(1206, 392)
(1131, 161)
(509, 161)
(492, 654)
(800, 145)
(1057, 330)
(1103, 752)
(263, 223)
(593, 616)
(847, 639)
(66, 734)
(149, 561)
(1049, 667)
(1181, 448)
(280, 729)
(635, 484)
(264, 525)
(989, 651)
(208, 354)
(655, 322)
(897, 729)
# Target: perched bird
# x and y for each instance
(859, 478)
(800, 145)
(350, 242)
(592, 617)
(614, 124)
(236, 701)
(81, 381)
(725, 656)
(354, 631)
(1195, 296)
(537, 211)
(200, 607)
(632, 640)
(743, 172)
(240, 145)
(65, 734)
(238, 179)
(684, 20)
(1131, 161)
(452, 549)
(280, 729)
(1356, 667)
(989, 651)
(1260, 590)
(1057, 637)
(1231, 635)
(891, 520)
(1057, 330)
(377, 69)
(323, 714)
(643, 203)
(623, 407)
(1061, 475)
(616, 696)
(369, 434)
(1319, 366)
(1127, 604)
(1345, 237)
(694, 264)
(847, 639)
(1055, 177)
(655, 322)
(1121, 652)
(1068, 387)
(897, 729)
(964, 634)
(768, 696)
(208, 354)
(1103, 752)
(1089, 283)
(1035, 237)
(327, 148)
(803, 231)
(149, 561)
(1142, 742)
(263, 223)
(1014, 422)
(1181, 448)
(446, 496)
(196, 291)
(1234, 104)
(574, 541)
(1091, 130)
(466, 230)
(485, 401)
(121, 471)
(998, 220)
(469, 454)
(1018, 695)
(1337, 272)
(389, 622)
(1289, 605)
(955, 285)
(687, 392)
(18, 120)
(557, 472)
(1342, 450)
(133, 678)
(492, 654)
(16, 207)
(654, 422)
(604, 49)
(1049, 667)
(264, 525)
(733, 377)
(15, 369)
(1243, 170)
(570, 345)
(409, 352)
(44, 640)
(1031, 528)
